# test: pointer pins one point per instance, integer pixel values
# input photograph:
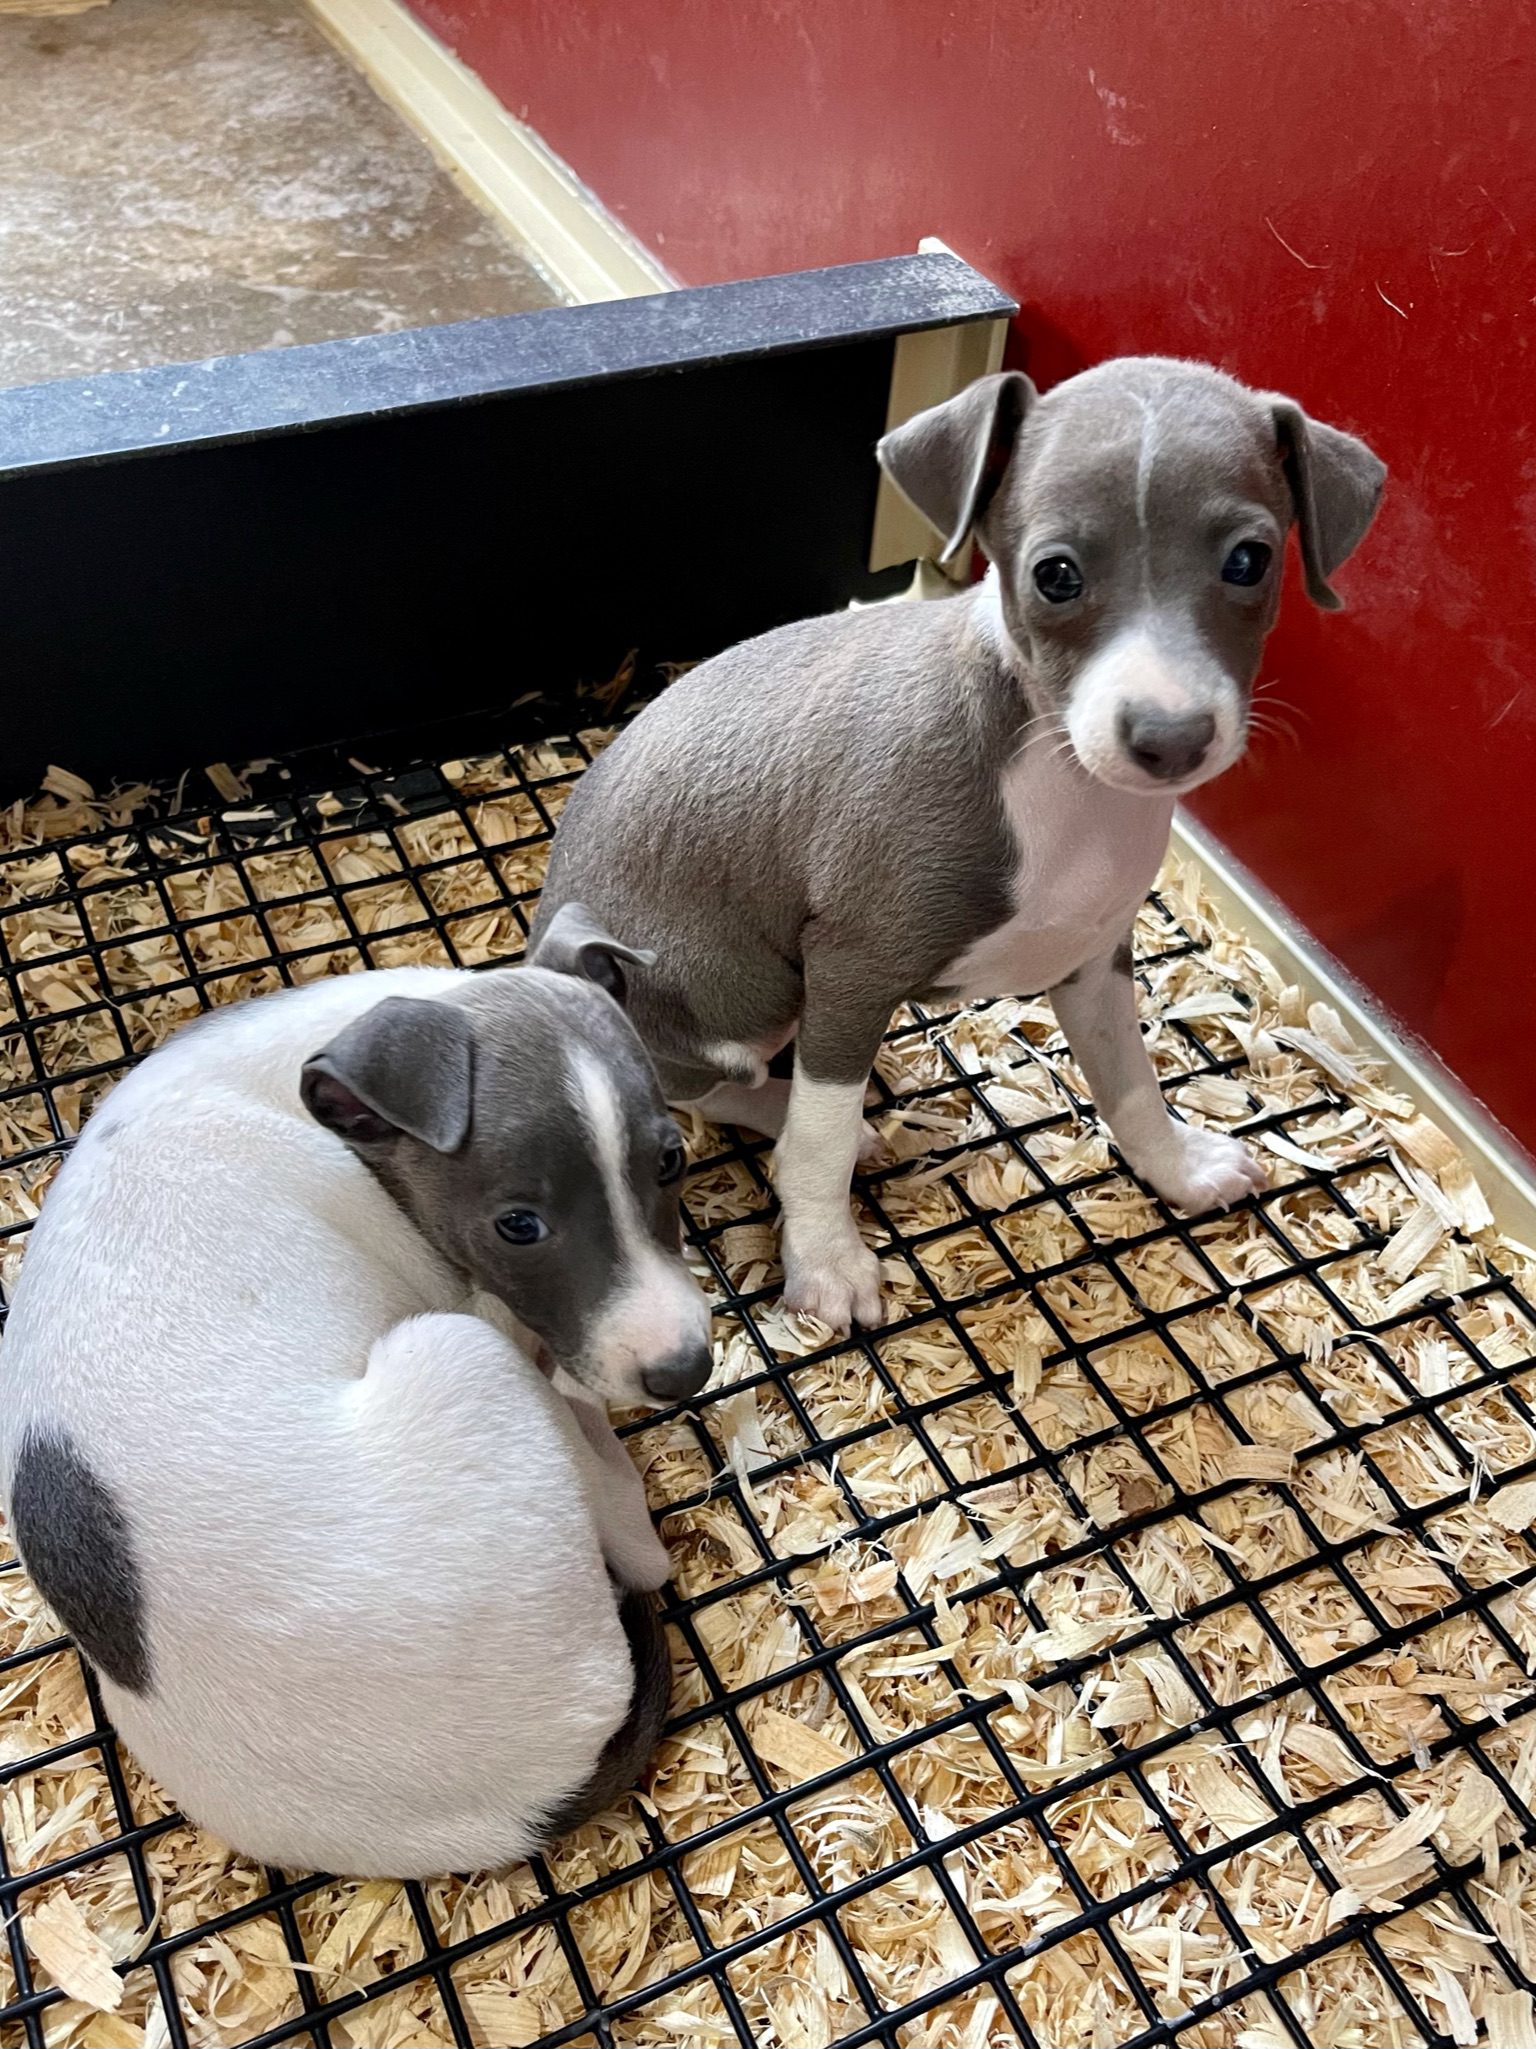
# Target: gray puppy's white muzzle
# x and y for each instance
(1143, 720)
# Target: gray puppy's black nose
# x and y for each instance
(1167, 744)
(675, 1379)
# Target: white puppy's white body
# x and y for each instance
(369, 1534)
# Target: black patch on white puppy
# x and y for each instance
(628, 1749)
(74, 1540)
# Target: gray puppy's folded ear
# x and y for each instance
(573, 943)
(1336, 484)
(406, 1066)
(949, 461)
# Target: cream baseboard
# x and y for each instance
(501, 163)
(1507, 1176)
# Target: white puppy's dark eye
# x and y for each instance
(670, 1166)
(522, 1227)
(1058, 579)
(1247, 564)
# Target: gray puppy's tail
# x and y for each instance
(628, 1750)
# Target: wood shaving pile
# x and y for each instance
(1139, 1630)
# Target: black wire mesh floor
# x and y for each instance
(1130, 1644)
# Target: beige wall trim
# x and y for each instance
(501, 163)
(1507, 1174)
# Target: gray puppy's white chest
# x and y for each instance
(1084, 858)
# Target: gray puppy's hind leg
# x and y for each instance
(1194, 1169)
(829, 1272)
(765, 1108)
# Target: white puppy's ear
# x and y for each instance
(949, 461)
(573, 943)
(404, 1067)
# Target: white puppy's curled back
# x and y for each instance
(362, 1588)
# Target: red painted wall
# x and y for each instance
(1333, 197)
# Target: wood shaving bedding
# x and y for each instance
(1151, 1603)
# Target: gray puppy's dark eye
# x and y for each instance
(671, 1164)
(1058, 579)
(522, 1227)
(1247, 564)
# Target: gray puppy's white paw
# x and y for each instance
(837, 1283)
(1204, 1170)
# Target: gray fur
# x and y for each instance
(743, 829)
(628, 1750)
(74, 1540)
(457, 1106)
(1336, 483)
(407, 1066)
(573, 943)
(807, 828)
(950, 460)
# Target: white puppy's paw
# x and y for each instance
(646, 1564)
(1203, 1170)
(837, 1282)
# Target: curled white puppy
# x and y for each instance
(365, 1588)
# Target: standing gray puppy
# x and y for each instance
(966, 799)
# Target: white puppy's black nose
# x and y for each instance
(675, 1379)
(1167, 744)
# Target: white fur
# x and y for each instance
(370, 1534)
(1146, 456)
(658, 1309)
(1086, 857)
(829, 1272)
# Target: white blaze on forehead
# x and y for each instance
(597, 1104)
(656, 1307)
(1146, 455)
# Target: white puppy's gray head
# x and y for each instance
(1136, 518)
(518, 1123)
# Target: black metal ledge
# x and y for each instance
(275, 391)
(359, 537)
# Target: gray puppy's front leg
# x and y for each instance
(829, 1272)
(1193, 1169)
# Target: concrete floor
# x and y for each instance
(188, 178)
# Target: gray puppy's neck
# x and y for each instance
(996, 661)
